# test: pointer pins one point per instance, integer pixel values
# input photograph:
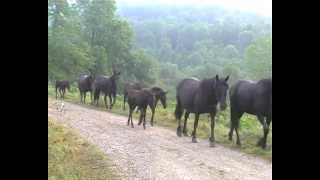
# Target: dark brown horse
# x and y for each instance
(85, 85)
(127, 86)
(200, 97)
(107, 86)
(141, 99)
(254, 98)
(61, 86)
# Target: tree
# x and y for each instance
(231, 51)
(258, 57)
(245, 38)
(68, 53)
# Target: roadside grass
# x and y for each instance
(72, 158)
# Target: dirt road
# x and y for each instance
(156, 153)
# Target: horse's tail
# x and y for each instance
(178, 111)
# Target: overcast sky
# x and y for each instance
(261, 7)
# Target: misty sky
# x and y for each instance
(261, 7)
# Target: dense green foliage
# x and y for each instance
(156, 44)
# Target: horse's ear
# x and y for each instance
(217, 77)
(227, 78)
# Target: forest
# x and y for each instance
(156, 44)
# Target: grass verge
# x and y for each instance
(72, 158)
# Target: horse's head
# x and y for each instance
(163, 99)
(115, 75)
(90, 78)
(221, 88)
(161, 95)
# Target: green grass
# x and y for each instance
(250, 128)
(71, 158)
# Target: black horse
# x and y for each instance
(61, 85)
(85, 85)
(200, 97)
(127, 86)
(159, 94)
(107, 86)
(141, 99)
(254, 98)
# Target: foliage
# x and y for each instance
(259, 58)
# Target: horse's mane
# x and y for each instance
(206, 85)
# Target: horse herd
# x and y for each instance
(192, 96)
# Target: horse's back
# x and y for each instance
(186, 90)
(62, 83)
(139, 97)
(83, 83)
(263, 96)
(249, 96)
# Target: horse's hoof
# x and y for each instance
(179, 132)
(238, 143)
(144, 126)
(194, 140)
(212, 144)
(185, 133)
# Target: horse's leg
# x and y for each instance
(234, 125)
(144, 117)
(124, 102)
(194, 133)
(97, 100)
(266, 132)
(110, 100)
(114, 99)
(152, 114)
(60, 92)
(179, 127)
(63, 92)
(185, 130)
(105, 101)
(264, 125)
(130, 114)
(84, 97)
(212, 139)
(140, 118)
